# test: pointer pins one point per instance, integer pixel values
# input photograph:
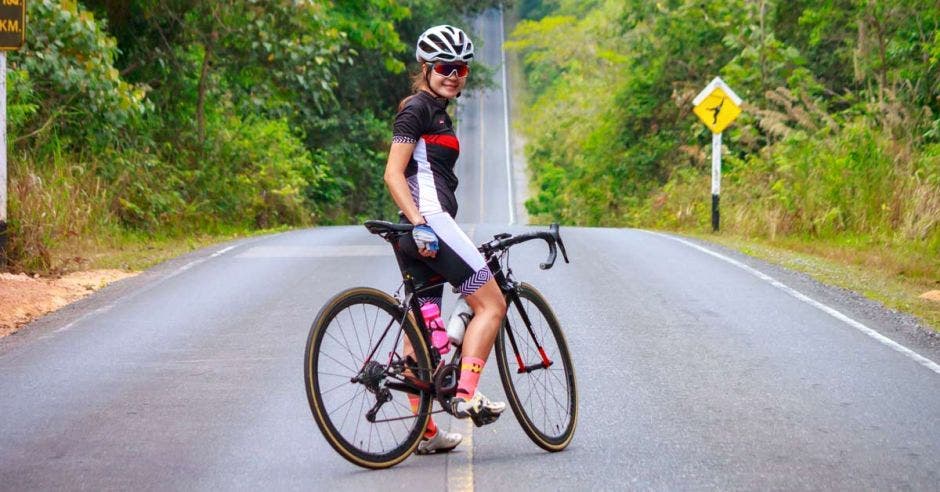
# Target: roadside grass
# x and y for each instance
(132, 251)
(894, 276)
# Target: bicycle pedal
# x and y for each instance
(484, 418)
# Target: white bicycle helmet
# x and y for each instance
(444, 43)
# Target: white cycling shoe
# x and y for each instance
(479, 408)
(442, 442)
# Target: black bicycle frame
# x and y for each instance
(412, 385)
(411, 291)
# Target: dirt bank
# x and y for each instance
(24, 298)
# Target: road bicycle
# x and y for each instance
(359, 379)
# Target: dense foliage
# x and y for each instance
(840, 134)
(174, 117)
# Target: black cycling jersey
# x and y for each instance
(424, 122)
(430, 173)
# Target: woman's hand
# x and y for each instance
(426, 240)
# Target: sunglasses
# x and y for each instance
(448, 69)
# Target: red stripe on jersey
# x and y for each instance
(448, 141)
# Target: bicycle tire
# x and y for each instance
(555, 435)
(328, 330)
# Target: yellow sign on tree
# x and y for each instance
(717, 105)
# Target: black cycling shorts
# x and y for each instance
(458, 260)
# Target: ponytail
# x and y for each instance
(419, 82)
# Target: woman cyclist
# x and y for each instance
(421, 180)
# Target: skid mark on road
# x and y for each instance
(920, 359)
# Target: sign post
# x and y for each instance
(12, 37)
(717, 106)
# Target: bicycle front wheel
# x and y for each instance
(544, 399)
(354, 369)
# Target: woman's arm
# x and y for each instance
(398, 158)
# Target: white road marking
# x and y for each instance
(81, 318)
(502, 51)
(66, 327)
(222, 251)
(176, 272)
(201, 260)
(929, 364)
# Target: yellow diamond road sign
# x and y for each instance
(717, 105)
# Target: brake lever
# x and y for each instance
(552, 253)
(561, 245)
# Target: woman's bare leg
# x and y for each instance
(489, 308)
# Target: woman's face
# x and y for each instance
(448, 84)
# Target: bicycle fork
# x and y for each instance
(523, 368)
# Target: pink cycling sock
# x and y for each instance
(415, 400)
(470, 370)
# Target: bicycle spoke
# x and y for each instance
(554, 395)
(546, 385)
(345, 344)
(344, 366)
(369, 446)
(403, 422)
(369, 329)
(402, 405)
(546, 389)
(340, 385)
(355, 334)
(361, 407)
(531, 389)
(355, 395)
(388, 424)
(378, 434)
(372, 328)
(344, 376)
(341, 405)
(358, 362)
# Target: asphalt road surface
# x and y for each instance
(697, 368)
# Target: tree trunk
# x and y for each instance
(763, 48)
(201, 97)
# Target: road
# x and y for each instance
(697, 368)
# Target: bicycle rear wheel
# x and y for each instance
(354, 351)
(544, 399)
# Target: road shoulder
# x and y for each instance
(902, 327)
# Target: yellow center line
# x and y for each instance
(459, 465)
(460, 460)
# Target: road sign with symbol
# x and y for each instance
(717, 105)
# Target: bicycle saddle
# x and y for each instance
(385, 227)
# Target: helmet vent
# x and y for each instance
(440, 44)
